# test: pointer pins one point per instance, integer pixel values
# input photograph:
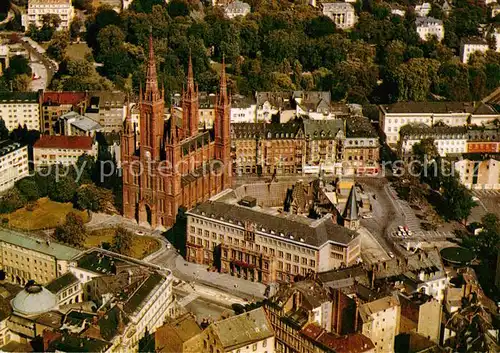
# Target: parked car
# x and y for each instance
(391, 254)
(368, 216)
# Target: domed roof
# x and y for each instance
(34, 300)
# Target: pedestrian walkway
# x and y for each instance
(486, 193)
(188, 299)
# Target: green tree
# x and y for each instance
(87, 165)
(29, 189)
(414, 79)
(4, 132)
(72, 232)
(21, 83)
(18, 65)
(144, 5)
(76, 27)
(178, 8)
(453, 82)
(57, 46)
(122, 241)
(457, 200)
(320, 26)
(11, 200)
(62, 190)
(92, 198)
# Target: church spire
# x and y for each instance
(223, 98)
(190, 78)
(152, 92)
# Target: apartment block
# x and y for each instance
(38, 8)
(65, 150)
(13, 163)
(19, 109)
(25, 258)
(263, 245)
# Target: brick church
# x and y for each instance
(174, 163)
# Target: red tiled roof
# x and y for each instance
(72, 98)
(352, 343)
(69, 142)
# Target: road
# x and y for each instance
(40, 71)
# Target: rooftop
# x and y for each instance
(439, 108)
(284, 226)
(66, 142)
(352, 343)
(62, 282)
(366, 310)
(473, 40)
(59, 251)
(69, 343)
(8, 146)
(244, 329)
(170, 337)
(81, 122)
(62, 98)
(18, 97)
(137, 299)
(426, 21)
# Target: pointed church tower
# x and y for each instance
(222, 128)
(128, 136)
(152, 110)
(190, 105)
(350, 215)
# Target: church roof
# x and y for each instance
(351, 207)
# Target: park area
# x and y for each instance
(141, 246)
(44, 214)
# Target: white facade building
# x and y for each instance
(65, 150)
(495, 10)
(423, 9)
(13, 163)
(448, 140)
(394, 116)
(236, 8)
(380, 320)
(341, 13)
(428, 26)
(37, 8)
(472, 45)
(19, 109)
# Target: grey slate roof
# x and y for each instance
(244, 329)
(323, 129)
(439, 108)
(62, 282)
(59, 251)
(351, 207)
(313, 232)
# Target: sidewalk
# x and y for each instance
(221, 281)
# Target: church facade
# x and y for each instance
(173, 164)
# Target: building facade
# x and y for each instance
(305, 146)
(477, 171)
(65, 150)
(448, 140)
(19, 109)
(341, 13)
(13, 163)
(38, 8)
(394, 116)
(185, 166)
(245, 333)
(470, 46)
(428, 26)
(24, 258)
(108, 109)
(56, 104)
(265, 246)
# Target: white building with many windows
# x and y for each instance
(65, 150)
(428, 27)
(394, 116)
(341, 13)
(38, 8)
(13, 163)
(470, 46)
(19, 109)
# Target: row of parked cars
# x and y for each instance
(404, 232)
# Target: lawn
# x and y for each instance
(77, 50)
(142, 246)
(47, 214)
